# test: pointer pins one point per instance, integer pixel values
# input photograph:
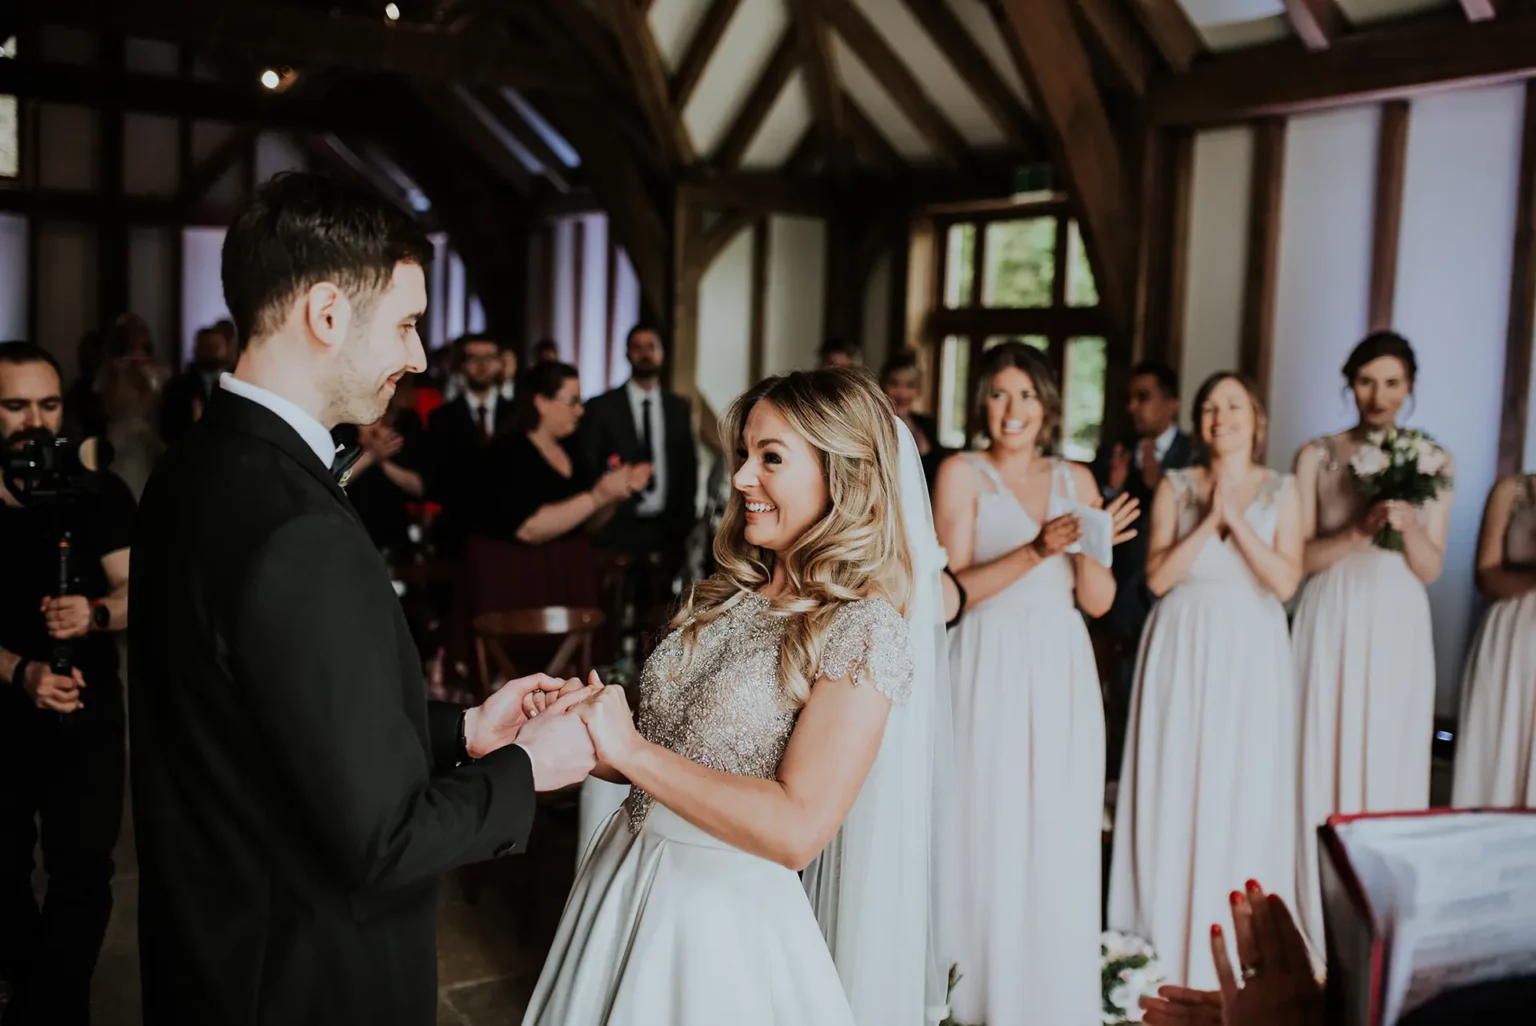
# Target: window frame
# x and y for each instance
(976, 323)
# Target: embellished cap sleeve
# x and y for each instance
(867, 642)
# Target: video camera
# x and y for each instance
(41, 469)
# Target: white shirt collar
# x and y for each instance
(637, 392)
(1165, 440)
(311, 430)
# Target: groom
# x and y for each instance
(295, 796)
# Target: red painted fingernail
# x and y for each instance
(1235, 897)
(1253, 885)
(1215, 929)
(1275, 899)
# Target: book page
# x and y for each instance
(1455, 896)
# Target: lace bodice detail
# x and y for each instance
(725, 709)
(1520, 534)
(1339, 502)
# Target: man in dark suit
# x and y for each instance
(186, 395)
(1136, 467)
(457, 434)
(295, 797)
(641, 422)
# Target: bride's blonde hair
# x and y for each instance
(857, 550)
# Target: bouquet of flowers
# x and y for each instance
(1399, 466)
(1128, 972)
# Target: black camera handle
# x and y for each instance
(62, 663)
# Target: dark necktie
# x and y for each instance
(483, 418)
(647, 443)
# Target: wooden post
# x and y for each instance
(1522, 304)
(1391, 159)
(1263, 261)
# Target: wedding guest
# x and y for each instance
(459, 432)
(834, 352)
(1134, 468)
(546, 350)
(902, 381)
(130, 384)
(186, 395)
(641, 422)
(1362, 638)
(1022, 913)
(1496, 740)
(538, 487)
(1204, 798)
(84, 416)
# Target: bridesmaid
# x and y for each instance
(1364, 654)
(1207, 787)
(1022, 903)
(1496, 742)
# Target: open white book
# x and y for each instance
(1419, 904)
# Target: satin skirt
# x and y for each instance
(671, 925)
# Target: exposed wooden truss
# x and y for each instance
(1082, 141)
(1392, 62)
(813, 41)
(960, 47)
(1317, 23)
(1171, 30)
(1121, 40)
(649, 76)
(700, 48)
(749, 118)
(1256, 347)
(948, 145)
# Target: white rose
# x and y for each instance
(1369, 461)
(1431, 460)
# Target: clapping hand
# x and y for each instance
(1125, 510)
(1057, 536)
(1277, 986)
(380, 442)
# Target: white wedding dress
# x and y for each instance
(669, 925)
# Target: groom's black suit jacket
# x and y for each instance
(294, 794)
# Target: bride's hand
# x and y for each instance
(537, 701)
(612, 726)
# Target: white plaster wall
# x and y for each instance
(1218, 239)
(793, 313)
(1452, 303)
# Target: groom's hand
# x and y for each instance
(496, 723)
(558, 744)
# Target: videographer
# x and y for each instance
(61, 733)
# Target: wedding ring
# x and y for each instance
(1250, 971)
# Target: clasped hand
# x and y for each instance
(567, 727)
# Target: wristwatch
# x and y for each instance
(101, 616)
(462, 752)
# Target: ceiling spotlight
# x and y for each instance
(271, 79)
(392, 12)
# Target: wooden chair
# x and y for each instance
(574, 626)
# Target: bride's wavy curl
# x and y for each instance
(857, 550)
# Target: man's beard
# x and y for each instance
(645, 372)
(354, 396)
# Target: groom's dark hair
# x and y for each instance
(301, 229)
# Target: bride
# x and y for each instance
(760, 718)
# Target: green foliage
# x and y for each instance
(1021, 263)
